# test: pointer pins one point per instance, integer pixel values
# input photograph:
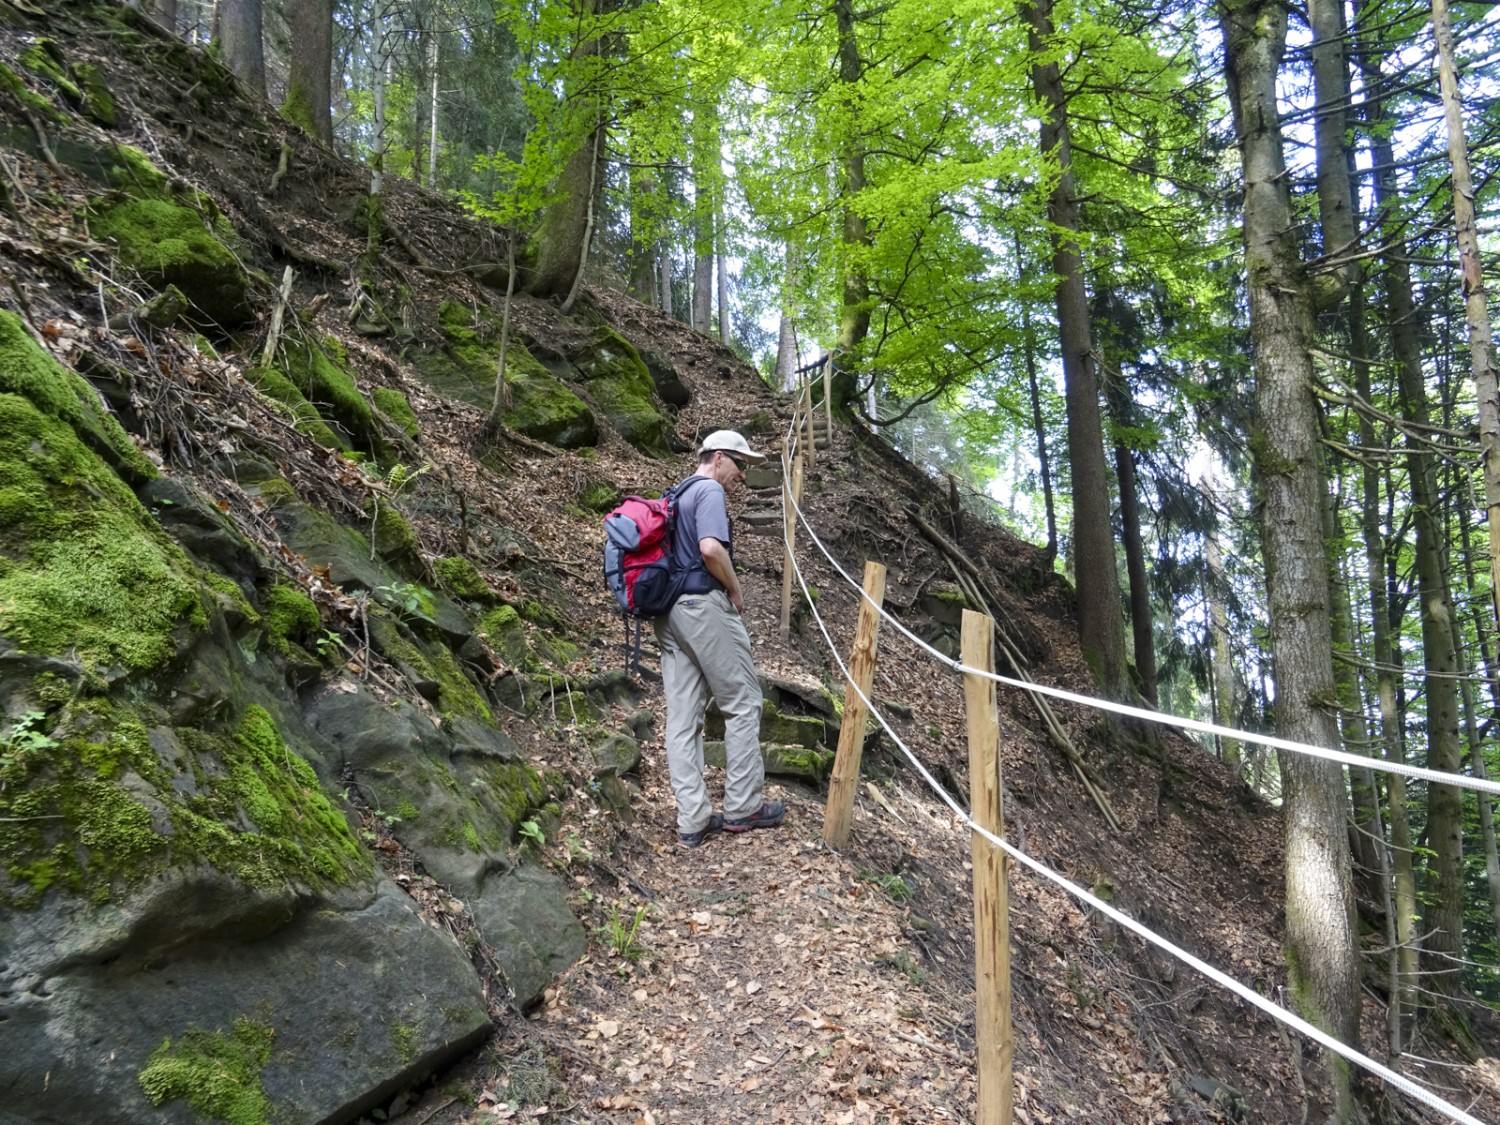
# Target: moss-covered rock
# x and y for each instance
(393, 404)
(291, 618)
(83, 568)
(216, 1074)
(619, 382)
(28, 371)
(319, 369)
(428, 666)
(98, 104)
(44, 58)
(277, 386)
(395, 539)
(462, 579)
(541, 406)
(167, 243)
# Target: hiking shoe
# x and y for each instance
(714, 826)
(769, 815)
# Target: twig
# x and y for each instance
(41, 140)
(273, 337)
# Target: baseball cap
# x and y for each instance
(730, 442)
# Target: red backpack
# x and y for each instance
(639, 565)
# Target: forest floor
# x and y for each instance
(765, 977)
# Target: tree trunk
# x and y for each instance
(1225, 712)
(1141, 617)
(378, 64)
(1481, 346)
(703, 277)
(1101, 629)
(1383, 647)
(664, 275)
(721, 261)
(561, 239)
(854, 317)
(433, 44)
(1443, 916)
(1038, 425)
(309, 90)
(1320, 920)
(163, 12)
(237, 31)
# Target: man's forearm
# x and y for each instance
(716, 561)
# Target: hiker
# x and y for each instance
(705, 651)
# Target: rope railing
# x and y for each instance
(1275, 1011)
(1199, 726)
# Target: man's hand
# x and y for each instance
(737, 599)
(716, 561)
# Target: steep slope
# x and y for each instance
(320, 762)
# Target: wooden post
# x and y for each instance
(994, 1045)
(828, 396)
(807, 417)
(788, 532)
(845, 777)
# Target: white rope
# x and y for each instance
(1400, 1082)
(1343, 757)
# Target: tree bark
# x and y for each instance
(1101, 630)
(163, 12)
(1143, 640)
(309, 87)
(854, 317)
(1218, 625)
(1481, 345)
(1320, 925)
(237, 31)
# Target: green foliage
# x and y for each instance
(531, 831)
(620, 931)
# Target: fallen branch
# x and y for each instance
(969, 581)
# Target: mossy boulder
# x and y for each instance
(84, 570)
(290, 619)
(797, 762)
(469, 796)
(542, 407)
(618, 381)
(309, 422)
(806, 731)
(167, 242)
(319, 368)
(462, 579)
(394, 405)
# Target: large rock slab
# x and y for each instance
(111, 1008)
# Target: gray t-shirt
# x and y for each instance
(702, 513)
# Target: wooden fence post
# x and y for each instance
(828, 396)
(994, 1044)
(845, 778)
(811, 448)
(791, 491)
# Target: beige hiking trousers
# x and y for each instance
(705, 652)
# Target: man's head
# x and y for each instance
(725, 456)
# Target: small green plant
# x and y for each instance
(26, 734)
(398, 476)
(411, 599)
(532, 831)
(620, 935)
(897, 889)
(577, 853)
(327, 643)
